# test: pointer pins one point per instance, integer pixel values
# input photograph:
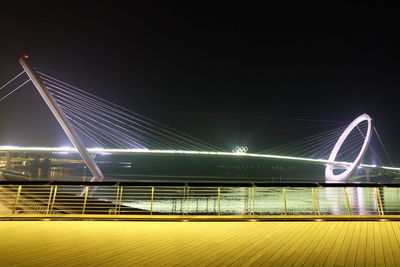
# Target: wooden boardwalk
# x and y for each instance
(118, 243)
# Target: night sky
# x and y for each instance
(228, 74)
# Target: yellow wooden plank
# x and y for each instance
(334, 252)
(294, 249)
(250, 255)
(227, 252)
(293, 232)
(262, 234)
(370, 249)
(120, 243)
(281, 257)
(326, 243)
(198, 248)
(350, 257)
(313, 244)
(330, 245)
(378, 246)
(95, 243)
(362, 245)
(194, 235)
(394, 237)
(386, 244)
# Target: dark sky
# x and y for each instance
(220, 72)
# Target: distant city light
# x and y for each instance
(61, 152)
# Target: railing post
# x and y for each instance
(379, 201)
(248, 202)
(121, 191)
(219, 201)
(253, 200)
(54, 198)
(152, 200)
(316, 201)
(118, 199)
(187, 199)
(50, 198)
(183, 198)
(85, 199)
(347, 200)
(8, 161)
(16, 199)
(313, 198)
(284, 199)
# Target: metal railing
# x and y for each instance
(200, 199)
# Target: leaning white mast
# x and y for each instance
(62, 120)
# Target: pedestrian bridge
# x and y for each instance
(118, 130)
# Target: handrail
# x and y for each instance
(200, 184)
(209, 199)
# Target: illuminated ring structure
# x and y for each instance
(329, 175)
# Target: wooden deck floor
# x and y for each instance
(117, 243)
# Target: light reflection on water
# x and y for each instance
(270, 201)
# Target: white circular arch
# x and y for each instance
(329, 175)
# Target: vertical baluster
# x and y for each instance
(347, 200)
(284, 200)
(117, 200)
(187, 199)
(54, 198)
(121, 191)
(49, 200)
(219, 201)
(85, 199)
(152, 200)
(17, 199)
(316, 201)
(248, 206)
(253, 199)
(378, 200)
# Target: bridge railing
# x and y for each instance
(272, 199)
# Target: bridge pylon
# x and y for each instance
(62, 120)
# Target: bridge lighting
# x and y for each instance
(25, 56)
(138, 150)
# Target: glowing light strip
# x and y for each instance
(137, 150)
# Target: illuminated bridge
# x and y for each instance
(171, 170)
(342, 201)
(134, 147)
(185, 164)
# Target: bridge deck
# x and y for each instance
(120, 243)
